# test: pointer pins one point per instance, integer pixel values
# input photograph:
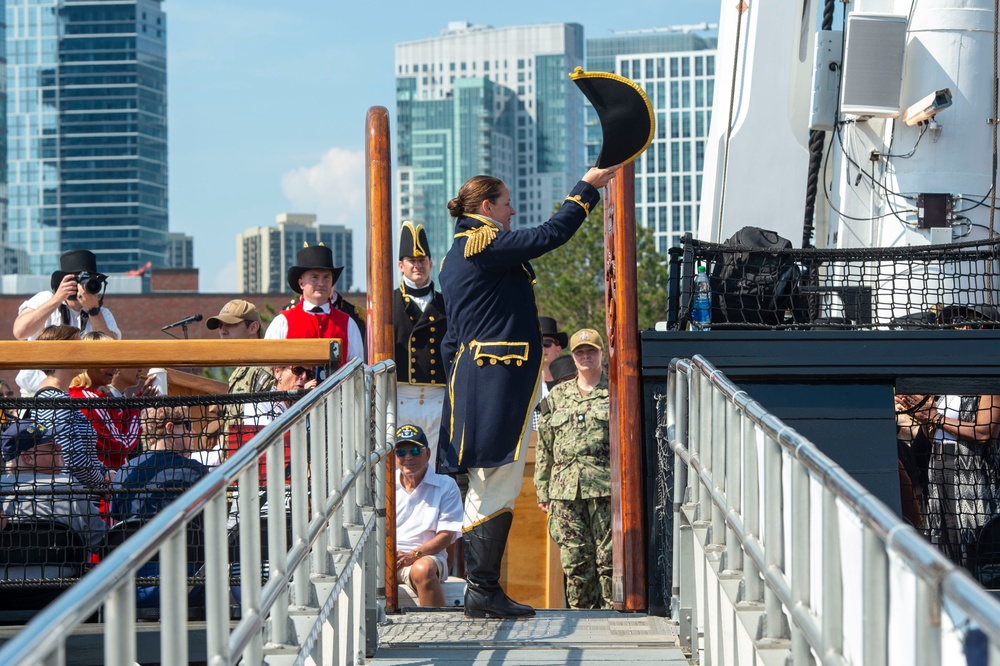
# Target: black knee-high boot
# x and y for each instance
(484, 547)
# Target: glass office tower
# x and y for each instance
(484, 100)
(87, 128)
(676, 68)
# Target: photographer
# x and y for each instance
(76, 299)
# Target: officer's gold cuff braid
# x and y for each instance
(577, 199)
(478, 239)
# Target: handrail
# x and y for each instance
(350, 418)
(745, 494)
(166, 353)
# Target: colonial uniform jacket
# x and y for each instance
(418, 338)
(493, 348)
(573, 457)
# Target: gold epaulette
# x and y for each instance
(577, 199)
(478, 239)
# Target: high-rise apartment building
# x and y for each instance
(264, 254)
(87, 130)
(180, 251)
(484, 100)
(676, 68)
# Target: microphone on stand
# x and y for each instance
(183, 323)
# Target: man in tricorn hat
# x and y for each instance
(418, 317)
(76, 298)
(315, 316)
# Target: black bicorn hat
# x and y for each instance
(310, 257)
(626, 114)
(550, 329)
(74, 262)
(413, 241)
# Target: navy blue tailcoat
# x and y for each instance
(492, 351)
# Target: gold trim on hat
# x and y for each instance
(578, 73)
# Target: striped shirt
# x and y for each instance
(76, 438)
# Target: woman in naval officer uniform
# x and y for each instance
(493, 356)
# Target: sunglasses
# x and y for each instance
(549, 343)
(186, 423)
(415, 452)
(299, 370)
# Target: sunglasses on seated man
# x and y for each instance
(413, 451)
(299, 370)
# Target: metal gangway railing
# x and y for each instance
(779, 553)
(321, 598)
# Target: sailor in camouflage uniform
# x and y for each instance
(573, 474)
(420, 325)
(493, 360)
(240, 320)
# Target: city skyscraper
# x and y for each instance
(180, 251)
(264, 254)
(676, 68)
(484, 100)
(87, 131)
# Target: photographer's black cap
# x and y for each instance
(73, 262)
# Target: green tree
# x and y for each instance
(571, 279)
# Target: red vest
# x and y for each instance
(302, 324)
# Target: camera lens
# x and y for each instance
(91, 283)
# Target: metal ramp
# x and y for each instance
(551, 637)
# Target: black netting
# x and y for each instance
(81, 475)
(927, 287)
(949, 468)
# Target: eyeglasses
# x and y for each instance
(299, 370)
(549, 343)
(415, 452)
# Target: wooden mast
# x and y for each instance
(378, 184)
(627, 516)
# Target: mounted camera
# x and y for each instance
(91, 283)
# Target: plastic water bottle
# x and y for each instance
(701, 313)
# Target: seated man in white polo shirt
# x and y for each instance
(428, 518)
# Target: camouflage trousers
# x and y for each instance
(582, 529)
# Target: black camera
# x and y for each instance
(91, 283)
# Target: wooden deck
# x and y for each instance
(551, 637)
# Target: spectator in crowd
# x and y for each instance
(420, 324)
(37, 488)
(287, 378)
(131, 383)
(492, 357)
(573, 474)
(76, 299)
(555, 367)
(316, 315)
(149, 482)
(428, 517)
(240, 320)
(6, 392)
(118, 430)
(963, 476)
(77, 439)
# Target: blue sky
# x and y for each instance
(267, 102)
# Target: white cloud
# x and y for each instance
(333, 190)
(224, 280)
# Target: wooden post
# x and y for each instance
(627, 516)
(378, 185)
